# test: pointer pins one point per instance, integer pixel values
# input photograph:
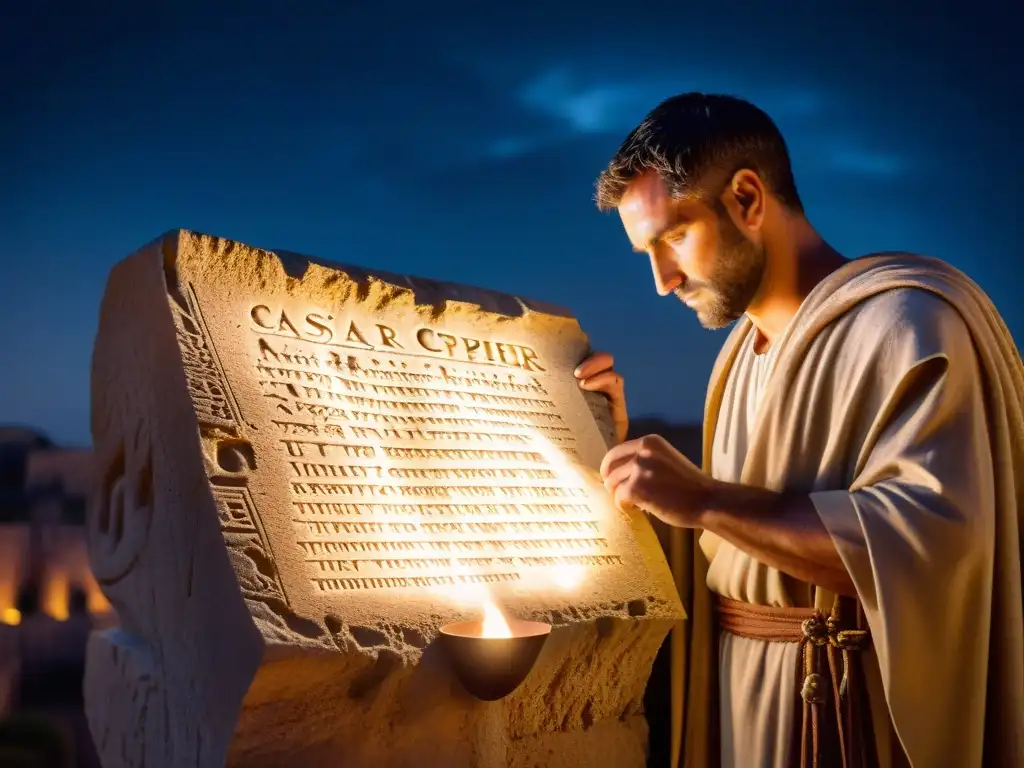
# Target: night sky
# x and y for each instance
(461, 143)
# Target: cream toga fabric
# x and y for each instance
(895, 399)
(757, 680)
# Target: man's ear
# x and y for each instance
(745, 198)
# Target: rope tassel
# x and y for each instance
(826, 643)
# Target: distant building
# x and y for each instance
(43, 497)
(16, 444)
(49, 600)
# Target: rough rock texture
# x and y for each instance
(307, 469)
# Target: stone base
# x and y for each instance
(125, 702)
(580, 706)
(609, 742)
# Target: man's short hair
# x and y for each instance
(693, 138)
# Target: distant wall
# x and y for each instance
(48, 486)
(64, 566)
(67, 469)
(40, 481)
(16, 443)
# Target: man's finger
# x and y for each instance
(618, 474)
(597, 362)
(617, 455)
(609, 382)
(623, 497)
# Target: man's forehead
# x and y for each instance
(647, 209)
(645, 191)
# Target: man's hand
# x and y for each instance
(597, 374)
(783, 531)
(650, 474)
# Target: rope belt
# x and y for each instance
(828, 737)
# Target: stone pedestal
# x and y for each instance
(305, 470)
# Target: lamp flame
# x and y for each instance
(495, 624)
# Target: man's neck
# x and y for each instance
(798, 259)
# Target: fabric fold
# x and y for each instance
(897, 402)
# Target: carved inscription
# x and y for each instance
(216, 409)
(407, 470)
(320, 327)
(257, 574)
(207, 384)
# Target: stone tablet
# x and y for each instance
(306, 469)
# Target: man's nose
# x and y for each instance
(666, 275)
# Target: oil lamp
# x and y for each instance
(493, 656)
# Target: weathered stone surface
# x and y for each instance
(306, 470)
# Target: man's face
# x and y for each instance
(695, 252)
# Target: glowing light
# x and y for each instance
(495, 624)
(568, 576)
(463, 521)
(96, 601)
(55, 596)
(11, 616)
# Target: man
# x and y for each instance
(850, 554)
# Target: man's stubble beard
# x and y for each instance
(736, 279)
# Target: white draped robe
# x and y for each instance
(895, 400)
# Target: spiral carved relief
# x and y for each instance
(121, 512)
